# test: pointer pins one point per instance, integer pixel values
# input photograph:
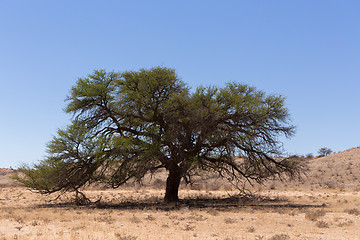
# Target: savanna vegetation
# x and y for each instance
(126, 125)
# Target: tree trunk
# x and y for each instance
(172, 184)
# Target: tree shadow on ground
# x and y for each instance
(220, 204)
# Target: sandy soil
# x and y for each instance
(125, 214)
(325, 205)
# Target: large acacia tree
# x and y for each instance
(128, 124)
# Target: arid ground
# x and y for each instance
(323, 205)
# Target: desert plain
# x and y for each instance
(324, 204)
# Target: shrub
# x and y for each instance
(353, 211)
(322, 224)
(281, 236)
(313, 216)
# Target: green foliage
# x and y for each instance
(73, 157)
(128, 124)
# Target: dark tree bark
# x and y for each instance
(172, 184)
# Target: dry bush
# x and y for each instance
(150, 217)
(229, 220)
(124, 237)
(189, 227)
(251, 229)
(353, 211)
(314, 216)
(281, 236)
(330, 184)
(322, 224)
(106, 219)
(345, 223)
(197, 217)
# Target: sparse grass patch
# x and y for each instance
(231, 238)
(77, 228)
(135, 219)
(259, 237)
(213, 212)
(197, 217)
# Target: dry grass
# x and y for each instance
(277, 215)
(323, 206)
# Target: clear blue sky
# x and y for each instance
(308, 51)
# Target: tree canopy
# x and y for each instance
(324, 151)
(128, 124)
